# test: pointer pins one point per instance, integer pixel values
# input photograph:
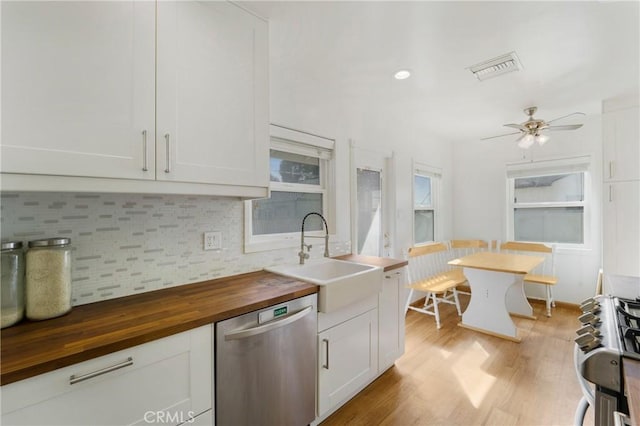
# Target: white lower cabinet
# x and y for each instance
(347, 359)
(391, 319)
(166, 381)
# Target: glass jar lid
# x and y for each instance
(48, 242)
(11, 245)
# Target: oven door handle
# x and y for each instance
(587, 391)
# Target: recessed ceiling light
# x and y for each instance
(402, 74)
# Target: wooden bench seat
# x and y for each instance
(541, 279)
(441, 282)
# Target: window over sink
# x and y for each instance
(301, 175)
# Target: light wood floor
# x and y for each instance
(455, 376)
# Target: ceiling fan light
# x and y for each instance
(526, 141)
(542, 139)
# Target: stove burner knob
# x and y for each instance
(590, 306)
(585, 340)
(594, 344)
(589, 318)
(588, 329)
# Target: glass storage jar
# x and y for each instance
(12, 283)
(48, 283)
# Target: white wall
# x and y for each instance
(480, 199)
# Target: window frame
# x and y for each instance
(292, 141)
(541, 168)
(435, 175)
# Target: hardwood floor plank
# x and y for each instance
(455, 376)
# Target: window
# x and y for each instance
(425, 183)
(548, 202)
(299, 166)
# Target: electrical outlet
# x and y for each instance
(212, 240)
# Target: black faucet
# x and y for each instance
(302, 255)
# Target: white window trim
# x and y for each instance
(552, 167)
(297, 142)
(435, 173)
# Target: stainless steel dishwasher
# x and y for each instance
(266, 366)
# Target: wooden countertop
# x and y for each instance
(500, 262)
(387, 263)
(632, 387)
(88, 331)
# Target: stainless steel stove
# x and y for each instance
(610, 332)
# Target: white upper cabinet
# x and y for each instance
(168, 91)
(621, 145)
(212, 94)
(78, 88)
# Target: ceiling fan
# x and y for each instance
(533, 130)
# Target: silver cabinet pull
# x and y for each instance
(144, 151)
(326, 365)
(610, 169)
(167, 137)
(610, 193)
(77, 379)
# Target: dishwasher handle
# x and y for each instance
(254, 331)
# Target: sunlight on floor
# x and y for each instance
(468, 371)
(445, 354)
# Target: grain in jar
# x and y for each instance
(48, 278)
(12, 283)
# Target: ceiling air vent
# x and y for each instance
(497, 66)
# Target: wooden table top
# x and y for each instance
(500, 262)
(387, 263)
(632, 386)
(88, 331)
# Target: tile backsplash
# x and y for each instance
(125, 244)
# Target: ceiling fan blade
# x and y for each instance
(499, 136)
(565, 116)
(565, 127)
(516, 126)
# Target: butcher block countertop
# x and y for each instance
(386, 263)
(88, 331)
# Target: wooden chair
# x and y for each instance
(460, 248)
(544, 273)
(430, 273)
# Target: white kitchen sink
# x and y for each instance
(341, 282)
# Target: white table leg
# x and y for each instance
(487, 310)
(517, 302)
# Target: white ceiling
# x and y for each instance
(574, 54)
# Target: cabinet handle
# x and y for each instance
(610, 169)
(167, 138)
(326, 353)
(77, 379)
(144, 151)
(610, 193)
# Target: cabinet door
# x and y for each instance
(391, 319)
(212, 94)
(167, 381)
(621, 145)
(347, 359)
(78, 81)
(621, 247)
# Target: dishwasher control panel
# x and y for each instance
(273, 313)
